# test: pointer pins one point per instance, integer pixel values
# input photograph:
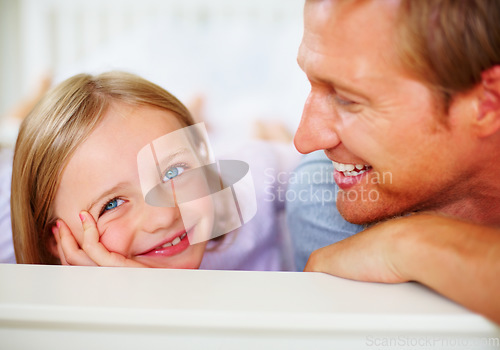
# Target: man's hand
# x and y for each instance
(370, 255)
(92, 252)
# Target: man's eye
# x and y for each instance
(112, 204)
(174, 171)
(343, 102)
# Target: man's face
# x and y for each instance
(382, 126)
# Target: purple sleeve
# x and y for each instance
(6, 246)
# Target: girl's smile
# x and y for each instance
(170, 247)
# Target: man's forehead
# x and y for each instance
(348, 31)
(335, 17)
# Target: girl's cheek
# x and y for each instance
(117, 236)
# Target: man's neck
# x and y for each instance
(480, 204)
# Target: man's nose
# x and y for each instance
(158, 218)
(316, 130)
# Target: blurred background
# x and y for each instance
(232, 62)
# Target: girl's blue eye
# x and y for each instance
(112, 204)
(173, 172)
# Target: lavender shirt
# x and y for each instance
(262, 244)
(6, 246)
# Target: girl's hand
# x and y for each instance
(92, 252)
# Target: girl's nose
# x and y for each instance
(158, 218)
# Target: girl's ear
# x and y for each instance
(488, 117)
(54, 245)
(53, 241)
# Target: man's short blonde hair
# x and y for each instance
(449, 43)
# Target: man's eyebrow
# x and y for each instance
(334, 83)
(105, 194)
(341, 85)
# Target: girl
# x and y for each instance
(78, 149)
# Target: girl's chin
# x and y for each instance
(185, 262)
(189, 258)
(189, 265)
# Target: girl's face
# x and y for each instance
(102, 177)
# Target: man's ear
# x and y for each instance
(488, 117)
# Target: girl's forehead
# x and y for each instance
(132, 125)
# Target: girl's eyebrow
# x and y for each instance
(107, 193)
(166, 159)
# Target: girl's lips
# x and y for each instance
(170, 250)
(346, 182)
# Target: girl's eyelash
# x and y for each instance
(103, 208)
(180, 165)
(184, 165)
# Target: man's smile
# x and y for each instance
(351, 169)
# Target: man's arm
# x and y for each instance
(459, 260)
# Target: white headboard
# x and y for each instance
(240, 54)
(57, 32)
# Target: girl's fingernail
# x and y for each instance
(82, 217)
(55, 230)
(58, 224)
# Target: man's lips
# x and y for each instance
(345, 182)
(347, 175)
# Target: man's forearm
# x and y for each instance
(457, 259)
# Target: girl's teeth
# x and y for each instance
(174, 242)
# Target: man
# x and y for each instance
(405, 100)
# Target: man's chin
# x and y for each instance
(359, 214)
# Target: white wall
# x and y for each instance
(10, 69)
(241, 55)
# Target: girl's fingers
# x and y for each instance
(69, 250)
(96, 250)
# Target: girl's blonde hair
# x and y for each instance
(59, 123)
